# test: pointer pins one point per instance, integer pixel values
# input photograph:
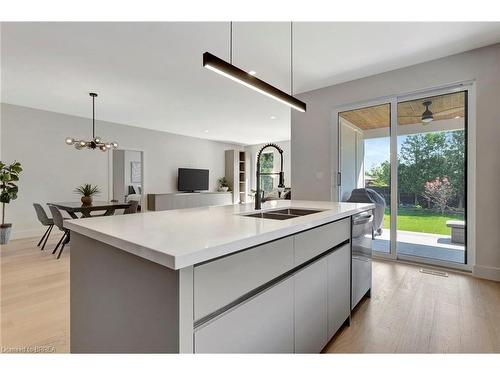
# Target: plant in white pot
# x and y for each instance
(9, 174)
(223, 184)
(87, 191)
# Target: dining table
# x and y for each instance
(85, 210)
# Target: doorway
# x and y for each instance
(412, 152)
(128, 176)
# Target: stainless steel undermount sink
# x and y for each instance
(282, 214)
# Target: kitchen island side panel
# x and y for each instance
(121, 303)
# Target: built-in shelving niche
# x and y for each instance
(237, 175)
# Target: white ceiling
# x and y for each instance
(150, 74)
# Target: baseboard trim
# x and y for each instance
(424, 265)
(486, 272)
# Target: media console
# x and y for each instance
(174, 201)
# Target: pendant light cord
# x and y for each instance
(93, 117)
(231, 42)
(291, 58)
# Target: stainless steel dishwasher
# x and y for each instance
(361, 237)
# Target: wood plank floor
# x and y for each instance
(409, 312)
(414, 312)
(34, 296)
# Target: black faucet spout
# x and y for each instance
(281, 183)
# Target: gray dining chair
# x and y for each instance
(45, 221)
(132, 209)
(59, 222)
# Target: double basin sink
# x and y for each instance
(282, 214)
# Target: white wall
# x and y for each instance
(311, 142)
(287, 160)
(52, 169)
(352, 158)
(348, 143)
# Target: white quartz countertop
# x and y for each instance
(182, 238)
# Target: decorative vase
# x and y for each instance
(86, 201)
(5, 230)
(224, 188)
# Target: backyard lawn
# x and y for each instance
(422, 220)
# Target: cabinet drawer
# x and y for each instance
(339, 288)
(222, 281)
(311, 308)
(263, 324)
(318, 240)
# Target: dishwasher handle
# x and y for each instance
(361, 258)
(362, 219)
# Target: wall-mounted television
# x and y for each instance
(192, 179)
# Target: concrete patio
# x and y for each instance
(426, 245)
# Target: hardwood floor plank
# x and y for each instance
(409, 312)
(413, 312)
(34, 296)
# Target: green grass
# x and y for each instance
(422, 220)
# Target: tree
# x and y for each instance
(267, 166)
(439, 192)
(381, 174)
(455, 157)
(421, 159)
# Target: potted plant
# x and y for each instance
(8, 192)
(223, 184)
(87, 191)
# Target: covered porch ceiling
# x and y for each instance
(443, 107)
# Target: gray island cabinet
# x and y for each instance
(287, 294)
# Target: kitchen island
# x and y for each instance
(212, 279)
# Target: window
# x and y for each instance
(267, 166)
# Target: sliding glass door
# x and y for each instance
(421, 142)
(431, 141)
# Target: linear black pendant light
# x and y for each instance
(230, 71)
